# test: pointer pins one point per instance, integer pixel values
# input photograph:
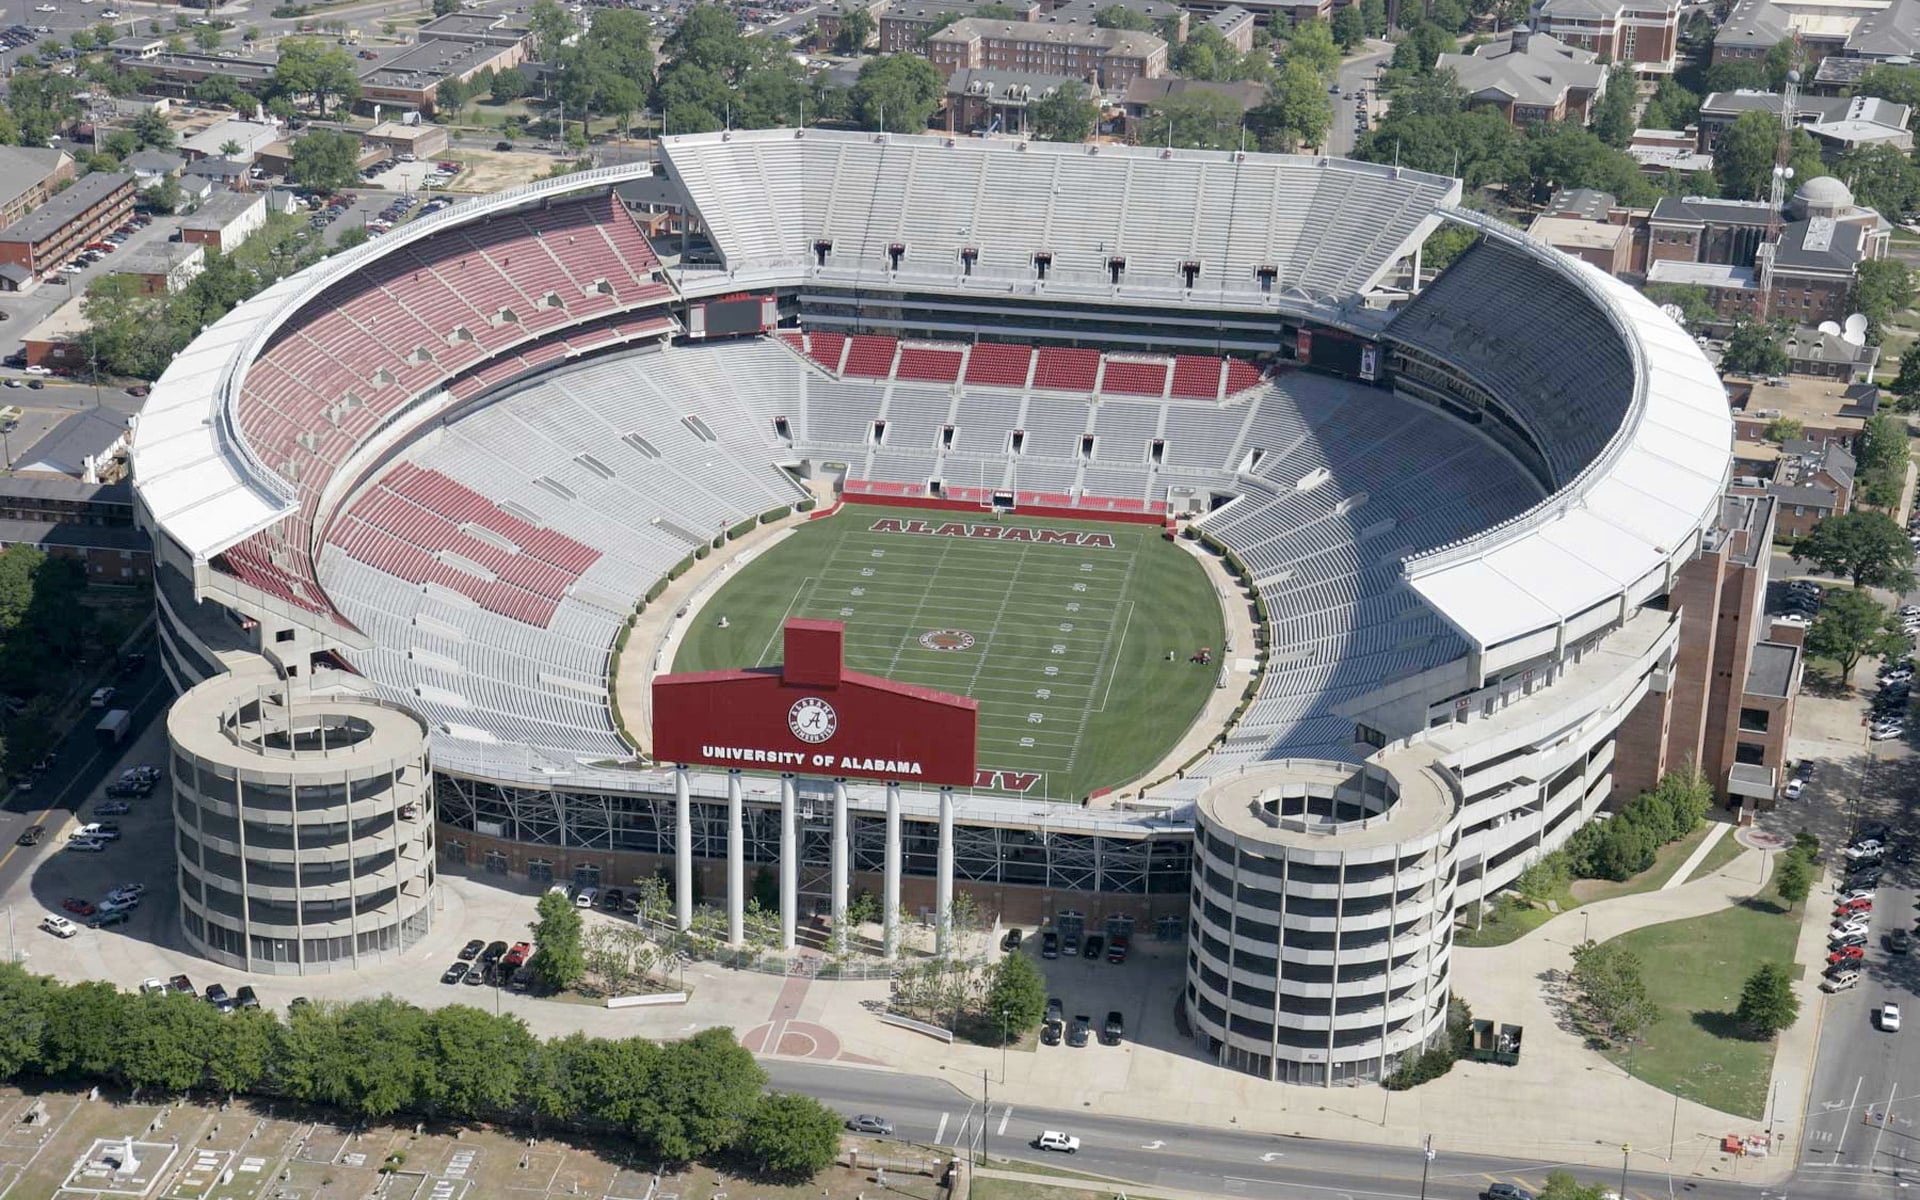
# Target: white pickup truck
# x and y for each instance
(1054, 1140)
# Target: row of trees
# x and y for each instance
(695, 1099)
(46, 631)
(1626, 843)
(1870, 548)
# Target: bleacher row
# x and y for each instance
(1491, 312)
(514, 292)
(1047, 368)
(630, 461)
(904, 206)
(635, 459)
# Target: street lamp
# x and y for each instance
(1426, 1160)
(1625, 1150)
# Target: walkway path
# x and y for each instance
(1715, 832)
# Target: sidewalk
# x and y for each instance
(1715, 832)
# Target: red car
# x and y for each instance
(518, 956)
(75, 904)
(1853, 906)
(1845, 954)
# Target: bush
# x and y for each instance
(807, 505)
(742, 529)
(680, 568)
(702, 552)
(774, 514)
(653, 593)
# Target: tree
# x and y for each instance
(1444, 245)
(1869, 548)
(1313, 43)
(509, 85)
(1850, 626)
(326, 160)
(445, 8)
(1673, 106)
(560, 959)
(1767, 1002)
(1561, 1185)
(1297, 111)
(230, 149)
(1793, 878)
(220, 90)
(206, 37)
(1016, 994)
(792, 1136)
(476, 1062)
(1906, 384)
(153, 130)
(450, 96)
(1613, 117)
(1119, 16)
(1424, 43)
(896, 91)
(1754, 348)
(699, 1097)
(310, 68)
(1898, 84)
(1880, 177)
(1349, 27)
(1881, 452)
(1066, 114)
(552, 25)
(856, 27)
(1882, 287)
(1744, 162)
(1693, 301)
(1786, 429)
(1198, 119)
(1608, 979)
(239, 1057)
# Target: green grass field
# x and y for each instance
(1068, 644)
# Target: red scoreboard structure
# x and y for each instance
(812, 716)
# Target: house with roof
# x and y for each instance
(1110, 59)
(1530, 77)
(991, 101)
(1838, 123)
(1722, 246)
(29, 176)
(1812, 480)
(1645, 33)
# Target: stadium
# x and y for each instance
(436, 487)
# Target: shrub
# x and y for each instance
(807, 505)
(680, 568)
(774, 514)
(653, 593)
(702, 552)
(742, 529)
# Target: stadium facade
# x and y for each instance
(436, 471)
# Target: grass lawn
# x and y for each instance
(1065, 646)
(1724, 851)
(1694, 972)
(1507, 923)
(1018, 1189)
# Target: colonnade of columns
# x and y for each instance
(789, 873)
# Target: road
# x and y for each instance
(1354, 76)
(1217, 1161)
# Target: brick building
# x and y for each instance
(47, 238)
(1721, 245)
(1811, 480)
(996, 101)
(1530, 77)
(1108, 58)
(162, 268)
(905, 24)
(1731, 691)
(1645, 33)
(29, 177)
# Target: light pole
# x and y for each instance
(1625, 1150)
(1426, 1160)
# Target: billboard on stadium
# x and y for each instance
(811, 716)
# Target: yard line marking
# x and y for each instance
(1108, 694)
(781, 624)
(1004, 1118)
(941, 1132)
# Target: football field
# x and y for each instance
(1060, 629)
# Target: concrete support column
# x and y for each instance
(943, 876)
(789, 865)
(840, 836)
(890, 890)
(682, 849)
(736, 865)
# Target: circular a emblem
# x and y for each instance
(812, 720)
(947, 639)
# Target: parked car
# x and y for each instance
(1900, 941)
(1846, 954)
(1793, 789)
(472, 950)
(1114, 1029)
(216, 995)
(126, 904)
(1077, 1030)
(1070, 944)
(454, 973)
(1049, 944)
(1871, 831)
(106, 920)
(1117, 948)
(128, 891)
(1890, 1017)
(1096, 946)
(518, 956)
(1010, 940)
(1050, 1034)
(1844, 941)
(77, 906)
(112, 808)
(245, 997)
(612, 899)
(1506, 1191)
(868, 1123)
(87, 845)
(1847, 925)
(1864, 849)
(585, 897)
(1056, 1011)
(1053, 1139)
(493, 952)
(58, 926)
